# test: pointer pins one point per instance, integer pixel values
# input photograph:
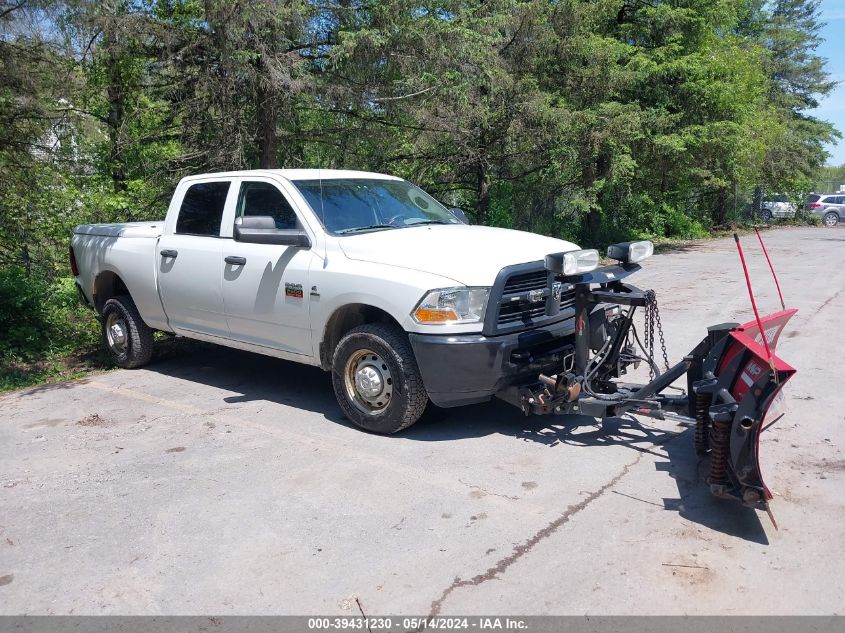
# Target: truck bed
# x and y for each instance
(127, 251)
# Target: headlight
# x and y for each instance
(631, 252)
(573, 262)
(452, 305)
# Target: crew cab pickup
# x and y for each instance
(362, 274)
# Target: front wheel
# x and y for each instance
(766, 215)
(830, 219)
(376, 379)
(128, 339)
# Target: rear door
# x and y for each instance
(190, 261)
(265, 287)
(829, 201)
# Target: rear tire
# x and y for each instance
(376, 379)
(830, 219)
(127, 338)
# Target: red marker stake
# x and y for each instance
(772, 268)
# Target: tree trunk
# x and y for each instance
(483, 194)
(593, 170)
(720, 208)
(757, 202)
(116, 119)
(26, 259)
(265, 114)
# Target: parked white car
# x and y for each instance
(778, 206)
(362, 274)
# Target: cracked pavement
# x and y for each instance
(219, 482)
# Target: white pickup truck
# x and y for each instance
(362, 274)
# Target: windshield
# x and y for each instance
(359, 205)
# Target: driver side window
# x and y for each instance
(264, 198)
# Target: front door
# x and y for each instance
(190, 262)
(266, 294)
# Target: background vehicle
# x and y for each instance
(830, 207)
(777, 206)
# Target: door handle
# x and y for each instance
(168, 252)
(235, 260)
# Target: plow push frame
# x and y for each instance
(733, 376)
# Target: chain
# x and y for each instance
(652, 319)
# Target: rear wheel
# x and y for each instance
(830, 219)
(128, 339)
(376, 379)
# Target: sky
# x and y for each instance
(833, 49)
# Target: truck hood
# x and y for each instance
(470, 255)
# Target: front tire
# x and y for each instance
(128, 339)
(830, 219)
(376, 379)
(766, 216)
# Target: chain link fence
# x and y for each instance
(829, 186)
(750, 203)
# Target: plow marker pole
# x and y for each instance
(753, 303)
(772, 268)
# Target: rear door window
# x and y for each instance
(202, 209)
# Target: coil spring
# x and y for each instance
(702, 422)
(719, 453)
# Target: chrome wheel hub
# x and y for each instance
(368, 381)
(116, 333)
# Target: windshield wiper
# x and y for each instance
(424, 222)
(371, 227)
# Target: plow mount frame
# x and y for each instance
(733, 377)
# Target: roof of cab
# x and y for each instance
(298, 174)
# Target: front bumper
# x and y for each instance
(469, 368)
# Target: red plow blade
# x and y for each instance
(742, 376)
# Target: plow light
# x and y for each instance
(573, 262)
(631, 252)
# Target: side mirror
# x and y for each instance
(261, 229)
(458, 213)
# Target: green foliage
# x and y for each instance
(41, 326)
(40, 319)
(591, 120)
(23, 320)
(828, 179)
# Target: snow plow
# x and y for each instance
(733, 376)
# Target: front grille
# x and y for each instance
(525, 281)
(515, 310)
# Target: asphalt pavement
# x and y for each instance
(216, 481)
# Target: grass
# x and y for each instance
(91, 360)
(18, 374)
